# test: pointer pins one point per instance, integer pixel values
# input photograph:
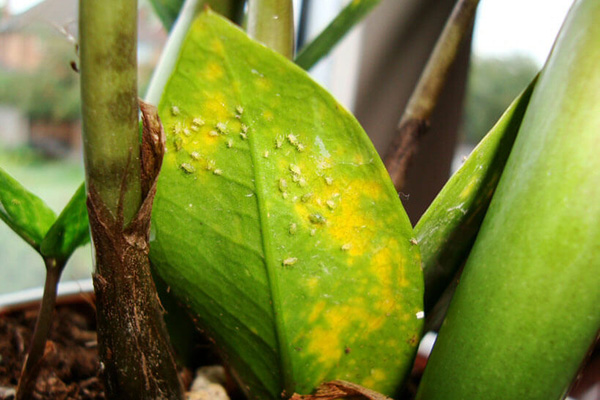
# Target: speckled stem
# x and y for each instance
(272, 23)
(108, 35)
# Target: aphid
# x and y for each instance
(346, 246)
(289, 261)
(243, 135)
(317, 218)
(414, 241)
(187, 168)
(266, 154)
(195, 128)
(178, 143)
(293, 228)
(282, 185)
(210, 165)
(244, 128)
(302, 182)
(292, 139)
(198, 121)
(329, 180)
(195, 155)
(186, 132)
(313, 232)
(213, 133)
(239, 110)
(230, 143)
(218, 172)
(279, 142)
(306, 197)
(284, 195)
(300, 147)
(222, 128)
(420, 315)
(330, 204)
(295, 169)
(175, 110)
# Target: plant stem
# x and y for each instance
(272, 23)
(351, 15)
(415, 120)
(37, 348)
(108, 35)
(132, 340)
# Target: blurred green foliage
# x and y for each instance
(48, 93)
(492, 85)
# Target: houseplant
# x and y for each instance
(215, 41)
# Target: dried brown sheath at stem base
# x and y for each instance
(341, 390)
(132, 337)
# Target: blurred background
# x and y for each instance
(372, 72)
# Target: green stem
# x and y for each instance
(351, 15)
(42, 327)
(108, 35)
(272, 23)
(415, 120)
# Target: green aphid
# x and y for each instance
(317, 218)
(187, 168)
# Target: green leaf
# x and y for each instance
(448, 228)
(277, 224)
(167, 11)
(70, 230)
(23, 211)
(349, 17)
(525, 312)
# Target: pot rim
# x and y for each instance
(68, 292)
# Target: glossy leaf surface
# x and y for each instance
(525, 312)
(70, 230)
(276, 222)
(448, 228)
(167, 11)
(23, 211)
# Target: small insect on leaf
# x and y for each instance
(187, 168)
(289, 261)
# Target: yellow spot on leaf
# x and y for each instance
(466, 192)
(213, 71)
(377, 376)
(217, 47)
(268, 115)
(317, 309)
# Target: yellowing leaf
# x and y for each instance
(276, 222)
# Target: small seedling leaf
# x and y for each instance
(24, 212)
(70, 230)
